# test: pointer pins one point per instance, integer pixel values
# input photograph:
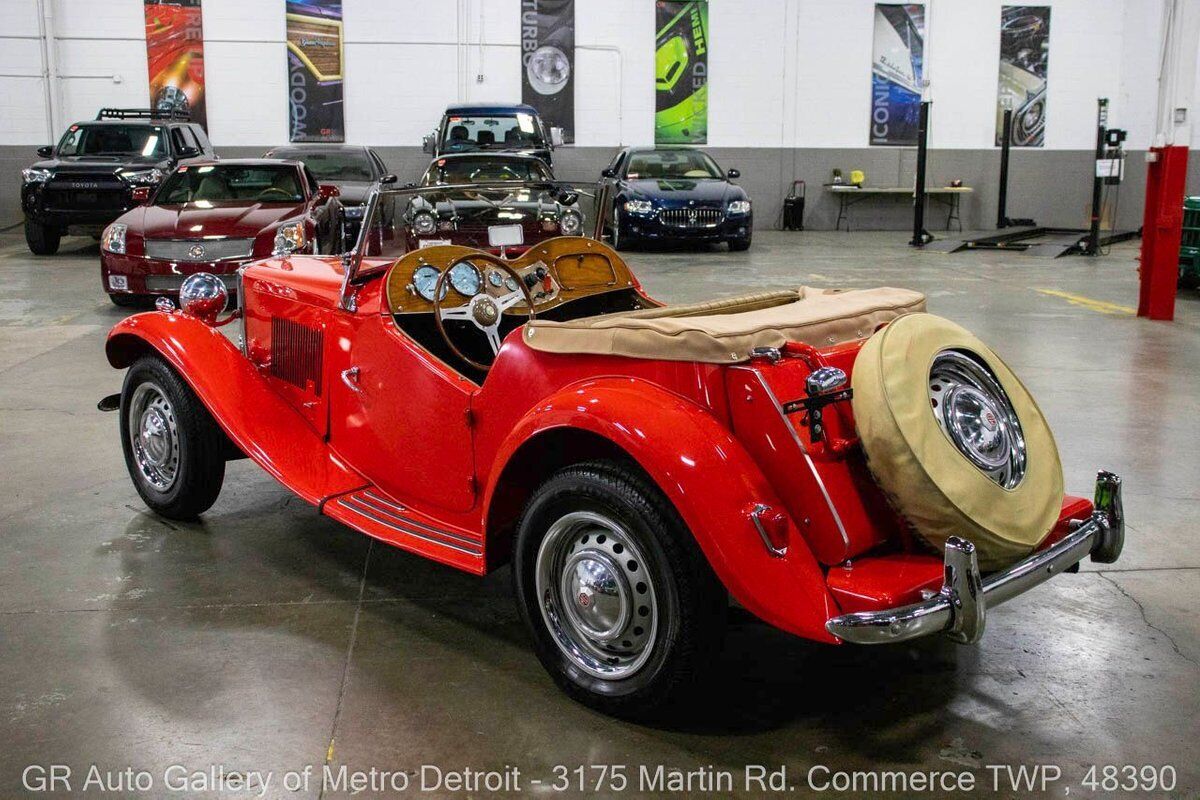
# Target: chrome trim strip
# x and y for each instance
(837, 519)
(383, 501)
(371, 503)
(366, 511)
(958, 610)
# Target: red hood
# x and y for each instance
(237, 220)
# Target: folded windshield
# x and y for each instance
(485, 170)
(226, 182)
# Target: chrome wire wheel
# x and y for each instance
(596, 595)
(154, 436)
(977, 416)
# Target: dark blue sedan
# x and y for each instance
(675, 194)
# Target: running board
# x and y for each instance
(371, 512)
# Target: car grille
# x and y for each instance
(691, 217)
(86, 194)
(199, 250)
(171, 283)
(1191, 228)
(297, 353)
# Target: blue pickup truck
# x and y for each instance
(493, 127)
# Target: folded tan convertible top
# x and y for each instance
(724, 331)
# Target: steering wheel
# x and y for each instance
(483, 310)
(276, 190)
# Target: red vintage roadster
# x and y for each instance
(842, 464)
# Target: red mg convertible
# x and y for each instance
(844, 465)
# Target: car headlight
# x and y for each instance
(289, 239)
(424, 222)
(143, 177)
(354, 212)
(739, 207)
(639, 206)
(34, 175)
(113, 238)
(571, 223)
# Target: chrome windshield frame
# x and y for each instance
(352, 260)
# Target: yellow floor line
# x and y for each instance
(1102, 306)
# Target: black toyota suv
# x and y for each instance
(86, 180)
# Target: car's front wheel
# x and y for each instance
(174, 450)
(739, 245)
(42, 239)
(623, 608)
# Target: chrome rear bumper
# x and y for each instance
(959, 610)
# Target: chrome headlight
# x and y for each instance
(739, 207)
(289, 239)
(570, 223)
(424, 222)
(113, 238)
(639, 206)
(143, 177)
(34, 175)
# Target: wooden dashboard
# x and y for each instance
(575, 267)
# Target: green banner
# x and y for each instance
(681, 72)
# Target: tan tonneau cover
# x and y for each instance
(724, 331)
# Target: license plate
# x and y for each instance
(118, 282)
(431, 243)
(86, 198)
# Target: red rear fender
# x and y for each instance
(707, 475)
(266, 428)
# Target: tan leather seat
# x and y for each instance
(724, 331)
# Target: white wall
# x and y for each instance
(783, 73)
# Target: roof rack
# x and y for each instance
(143, 113)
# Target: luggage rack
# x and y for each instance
(143, 113)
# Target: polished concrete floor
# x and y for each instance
(269, 638)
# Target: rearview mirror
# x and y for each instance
(556, 137)
(140, 194)
(46, 152)
(328, 190)
(427, 143)
(608, 172)
(733, 173)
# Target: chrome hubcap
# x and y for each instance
(596, 595)
(975, 413)
(154, 436)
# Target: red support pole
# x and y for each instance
(1162, 227)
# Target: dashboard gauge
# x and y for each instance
(510, 284)
(466, 280)
(424, 281)
(495, 279)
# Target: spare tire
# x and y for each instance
(955, 440)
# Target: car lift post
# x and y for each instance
(921, 236)
(1092, 248)
(1166, 168)
(1005, 143)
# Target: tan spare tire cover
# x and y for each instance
(930, 481)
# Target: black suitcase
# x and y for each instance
(793, 208)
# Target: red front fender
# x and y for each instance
(710, 479)
(258, 420)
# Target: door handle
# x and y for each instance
(350, 378)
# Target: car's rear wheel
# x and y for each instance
(623, 608)
(42, 239)
(174, 450)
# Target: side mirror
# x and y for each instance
(567, 197)
(733, 173)
(189, 152)
(46, 152)
(140, 194)
(608, 172)
(556, 137)
(389, 179)
(327, 190)
(427, 143)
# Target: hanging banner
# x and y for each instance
(1024, 55)
(175, 56)
(681, 72)
(316, 60)
(548, 61)
(897, 69)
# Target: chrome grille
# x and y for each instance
(171, 283)
(691, 217)
(296, 354)
(199, 249)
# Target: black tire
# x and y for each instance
(1189, 280)
(199, 444)
(619, 242)
(42, 239)
(739, 245)
(129, 300)
(688, 622)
